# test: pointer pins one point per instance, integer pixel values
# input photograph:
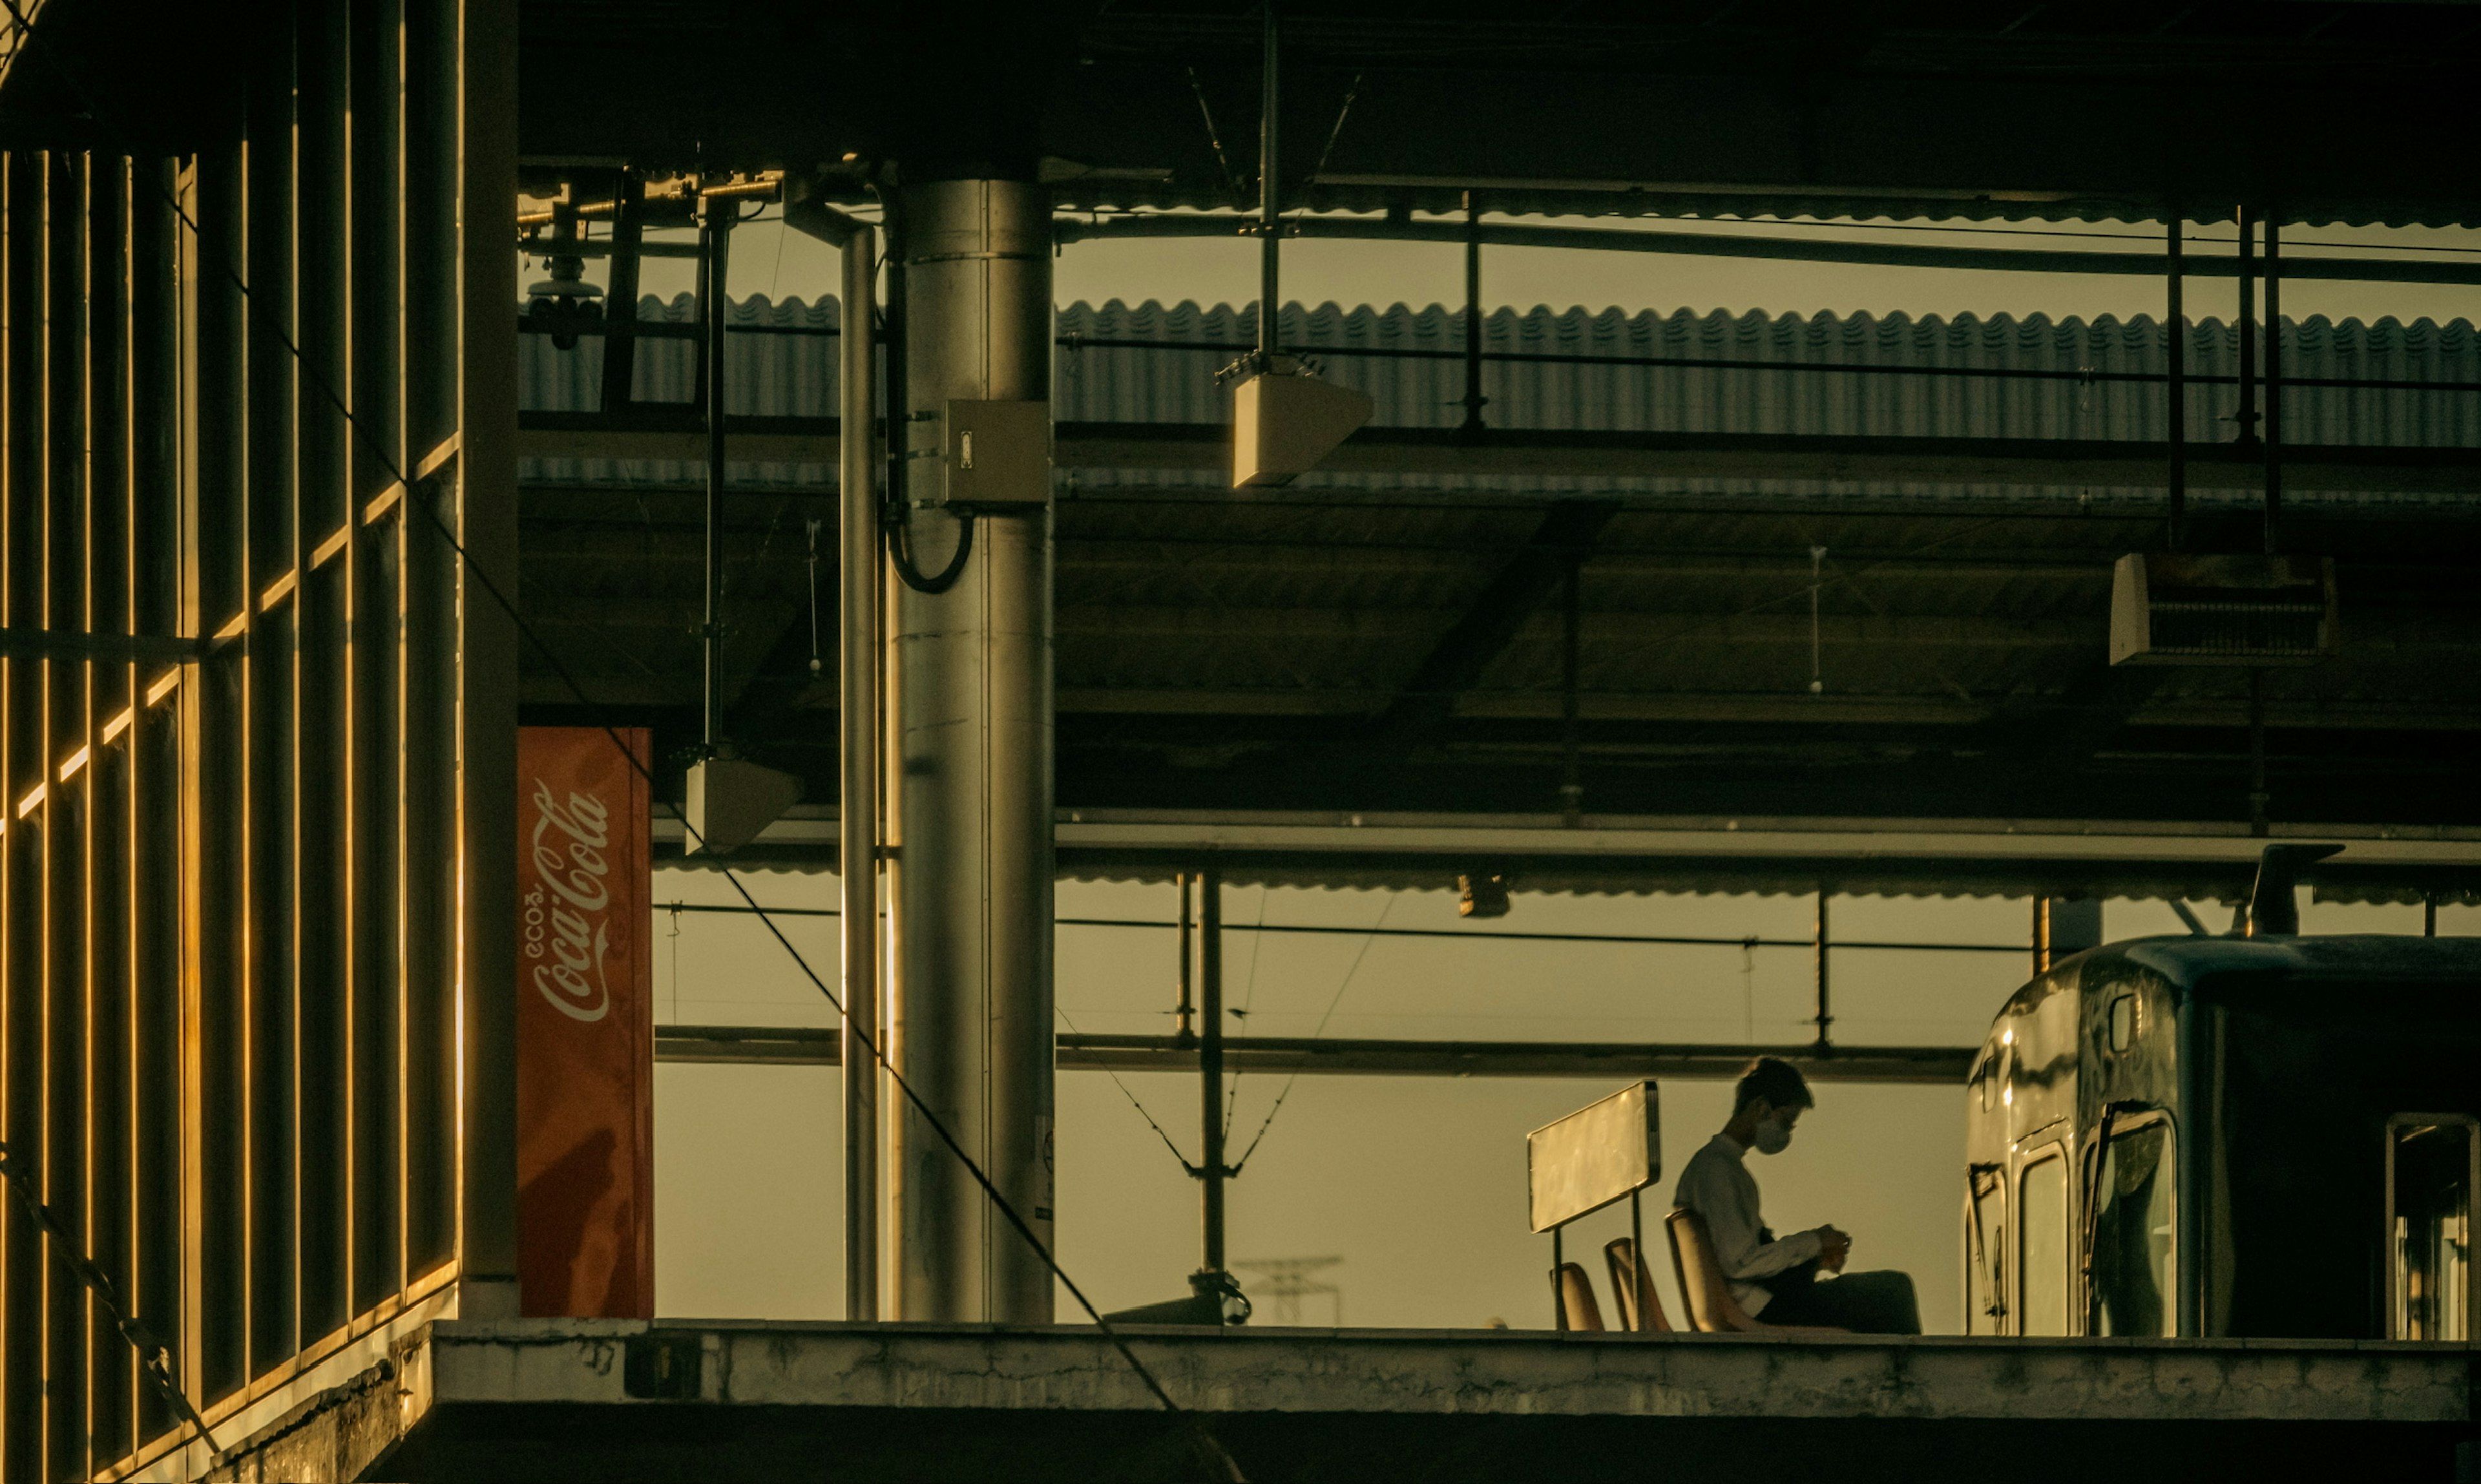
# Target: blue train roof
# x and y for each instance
(2192, 961)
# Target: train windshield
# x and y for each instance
(2131, 1232)
(2431, 1166)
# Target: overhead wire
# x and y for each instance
(1826, 224)
(1210, 1450)
(1187, 1165)
(1268, 1122)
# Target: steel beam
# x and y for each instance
(818, 1046)
(486, 656)
(968, 779)
(1798, 250)
(1502, 453)
(1493, 619)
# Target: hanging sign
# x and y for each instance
(585, 1038)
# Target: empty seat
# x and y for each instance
(1711, 1308)
(1576, 1298)
(1641, 1308)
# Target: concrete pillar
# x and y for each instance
(969, 788)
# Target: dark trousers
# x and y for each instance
(1881, 1303)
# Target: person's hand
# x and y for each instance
(1833, 1248)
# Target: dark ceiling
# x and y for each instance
(1226, 651)
(2323, 110)
(1405, 652)
(1216, 651)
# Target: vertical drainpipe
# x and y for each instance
(1210, 1071)
(486, 656)
(968, 778)
(1819, 948)
(1270, 204)
(2246, 416)
(1474, 399)
(857, 812)
(2190, 1125)
(2273, 384)
(1184, 1012)
(715, 311)
(2175, 343)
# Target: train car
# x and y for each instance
(2257, 1134)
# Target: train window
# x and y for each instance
(2433, 1163)
(2123, 1023)
(1985, 1240)
(2042, 1227)
(2131, 1232)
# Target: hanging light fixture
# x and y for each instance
(1481, 894)
(564, 305)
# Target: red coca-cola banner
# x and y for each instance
(585, 1035)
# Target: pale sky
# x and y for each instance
(1417, 1183)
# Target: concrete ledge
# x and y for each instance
(1491, 1372)
(717, 1401)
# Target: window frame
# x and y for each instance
(2471, 1217)
(2088, 1227)
(1985, 1250)
(2049, 1151)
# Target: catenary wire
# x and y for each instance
(1159, 1133)
(1268, 1122)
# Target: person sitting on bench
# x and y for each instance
(1777, 1279)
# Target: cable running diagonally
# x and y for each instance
(1210, 1450)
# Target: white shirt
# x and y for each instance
(1716, 1187)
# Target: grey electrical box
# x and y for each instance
(991, 455)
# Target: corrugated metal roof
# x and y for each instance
(791, 373)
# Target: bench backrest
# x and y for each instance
(1641, 1308)
(1576, 1298)
(1711, 1309)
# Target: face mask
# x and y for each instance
(1774, 1137)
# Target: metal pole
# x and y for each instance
(2273, 384)
(1474, 398)
(1184, 1025)
(1571, 785)
(1270, 196)
(857, 719)
(2259, 823)
(1636, 1260)
(1818, 947)
(714, 275)
(1558, 1293)
(2246, 416)
(483, 872)
(967, 767)
(621, 297)
(2175, 345)
(2429, 916)
(1210, 1064)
